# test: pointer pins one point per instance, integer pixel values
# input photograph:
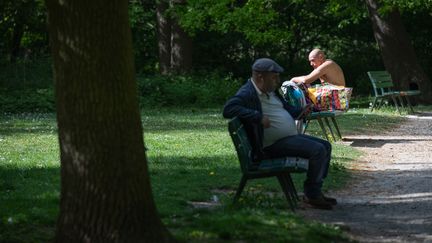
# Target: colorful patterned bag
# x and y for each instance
(330, 97)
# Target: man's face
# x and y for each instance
(271, 81)
(315, 61)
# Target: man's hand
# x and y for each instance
(265, 122)
(299, 80)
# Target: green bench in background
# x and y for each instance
(279, 167)
(382, 84)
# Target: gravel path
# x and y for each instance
(389, 198)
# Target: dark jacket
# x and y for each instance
(247, 106)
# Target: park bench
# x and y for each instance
(297, 98)
(382, 84)
(321, 116)
(278, 167)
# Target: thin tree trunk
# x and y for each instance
(397, 51)
(181, 46)
(164, 36)
(105, 187)
(15, 43)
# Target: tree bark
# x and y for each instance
(397, 51)
(105, 187)
(15, 43)
(22, 12)
(164, 36)
(181, 45)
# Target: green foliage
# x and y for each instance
(25, 18)
(27, 100)
(27, 86)
(27, 74)
(201, 90)
(142, 18)
(285, 31)
(410, 5)
(227, 36)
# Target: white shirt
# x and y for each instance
(281, 122)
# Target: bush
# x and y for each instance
(153, 91)
(196, 90)
(24, 74)
(27, 100)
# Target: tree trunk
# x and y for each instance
(22, 11)
(15, 43)
(181, 46)
(164, 36)
(397, 51)
(105, 188)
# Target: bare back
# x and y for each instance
(331, 73)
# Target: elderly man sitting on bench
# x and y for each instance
(270, 126)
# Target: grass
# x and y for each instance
(191, 159)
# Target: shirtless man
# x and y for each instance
(324, 69)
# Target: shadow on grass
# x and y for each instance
(154, 121)
(30, 200)
(39, 123)
(353, 123)
(377, 143)
(29, 204)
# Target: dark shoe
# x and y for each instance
(318, 202)
(331, 200)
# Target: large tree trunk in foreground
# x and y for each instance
(397, 51)
(105, 188)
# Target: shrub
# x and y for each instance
(180, 90)
(153, 91)
(24, 74)
(27, 100)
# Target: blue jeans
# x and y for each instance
(317, 150)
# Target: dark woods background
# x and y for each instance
(198, 52)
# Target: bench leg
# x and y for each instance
(240, 188)
(291, 183)
(395, 103)
(286, 189)
(409, 104)
(380, 103)
(401, 101)
(331, 130)
(323, 128)
(336, 126)
(374, 103)
(306, 126)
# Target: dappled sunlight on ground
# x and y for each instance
(389, 198)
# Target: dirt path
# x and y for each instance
(390, 196)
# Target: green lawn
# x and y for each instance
(191, 160)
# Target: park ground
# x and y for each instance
(380, 173)
(389, 198)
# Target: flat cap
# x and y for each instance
(266, 65)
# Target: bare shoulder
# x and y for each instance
(326, 65)
(330, 62)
